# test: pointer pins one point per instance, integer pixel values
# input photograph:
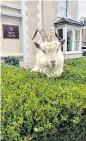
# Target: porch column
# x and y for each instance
(39, 17)
(65, 37)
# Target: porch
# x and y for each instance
(71, 31)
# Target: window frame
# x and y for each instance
(71, 29)
(76, 40)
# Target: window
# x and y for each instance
(81, 22)
(60, 34)
(69, 39)
(77, 40)
(63, 9)
(85, 22)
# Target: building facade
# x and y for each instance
(20, 19)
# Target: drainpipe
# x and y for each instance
(24, 30)
(42, 13)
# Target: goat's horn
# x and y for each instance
(42, 33)
(34, 34)
(52, 33)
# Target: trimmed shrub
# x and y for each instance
(12, 61)
(37, 108)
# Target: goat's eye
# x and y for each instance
(44, 51)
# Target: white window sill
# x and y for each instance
(73, 52)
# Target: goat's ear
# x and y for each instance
(37, 45)
(62, 42)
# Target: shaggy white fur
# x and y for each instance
(49, 58)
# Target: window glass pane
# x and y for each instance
(77, 35)
(60, 34)
(76, 46)
(62, 12)
(69, 45)
(69, 34)
(69, 39)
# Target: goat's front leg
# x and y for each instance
(36, 69)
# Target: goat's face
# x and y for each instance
(49, 49)
(49, 52)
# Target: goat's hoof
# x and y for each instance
(33, 70)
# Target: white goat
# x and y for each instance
(49, 58)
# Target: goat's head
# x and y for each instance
(49, 49)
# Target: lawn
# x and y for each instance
(38, 108)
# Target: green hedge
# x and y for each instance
(37, 108)
(12, 60)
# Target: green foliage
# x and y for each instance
(37, 108)
(12, 61)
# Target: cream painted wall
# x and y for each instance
(11, 2)
(49, 14)
(74, 9)
(32, 17)
(10, 10)
(32, 26)
(11, 46)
